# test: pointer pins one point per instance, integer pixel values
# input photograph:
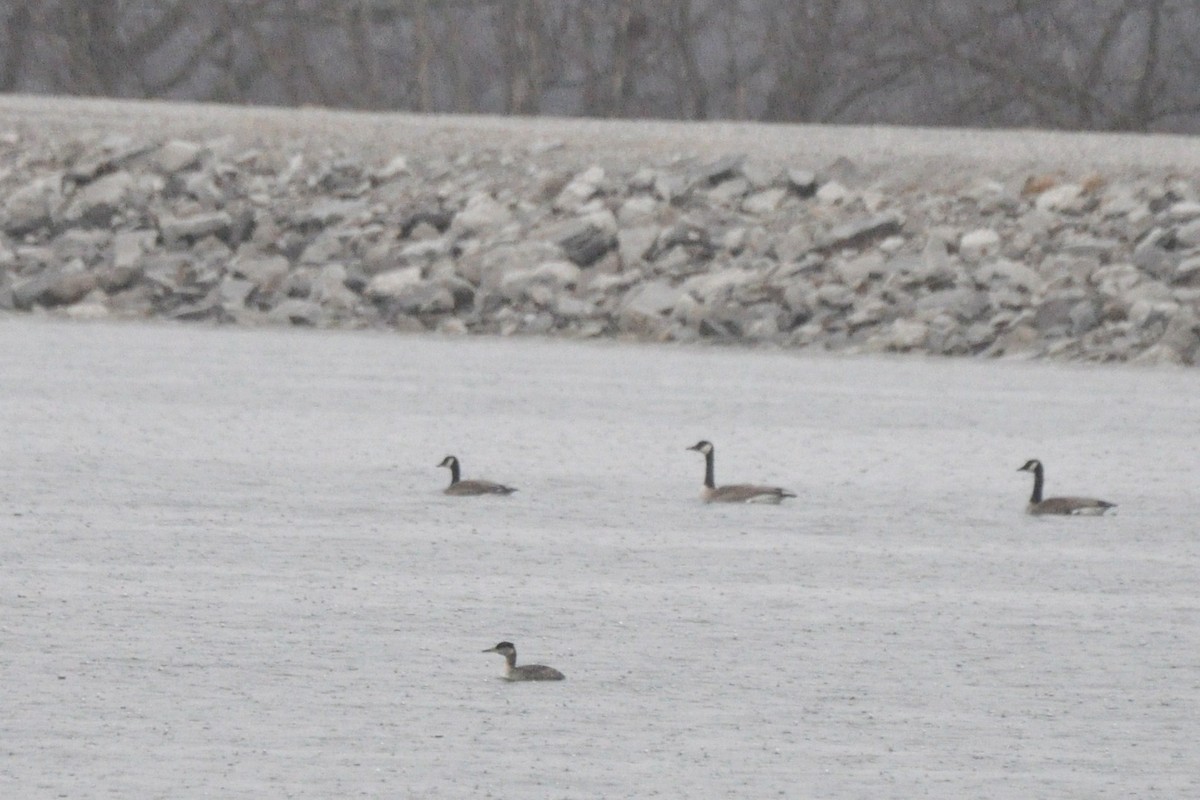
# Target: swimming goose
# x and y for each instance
(460, 487)
(735, 492)
(1059, 505)
(528, 672)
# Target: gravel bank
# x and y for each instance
(1065, 246)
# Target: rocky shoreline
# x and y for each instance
(515, 239)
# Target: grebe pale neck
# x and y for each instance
(529, 672)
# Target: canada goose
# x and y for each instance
(736, 492)
(1059, 505)
(460, 487)
(528, 672)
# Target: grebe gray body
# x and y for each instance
(1077, 506)
(528, 672)
(474, 487)
(734, 492)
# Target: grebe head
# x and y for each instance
(504, 649)
(702, 446)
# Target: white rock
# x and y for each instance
(854, 272)
(1064, 198)
(979, 244)
(654, 297)
(1184, 210)
(634, 244)
(394, 282)
(637, 209)
(481, 213)
(833, 193)
(176, 155)
(904, 334)
(1012, 273)
(398, 165)
(765, 201)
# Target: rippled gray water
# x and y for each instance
(227, 570)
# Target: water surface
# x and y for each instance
(227, 570)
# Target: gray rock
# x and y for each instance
(128, 247)
(1184, 211)
(833, 193)
(177, 155)
(99, 201)
(295, 311)
(1084, 316)
(1065, 199)
(862, 232)
(729, 192)
(1053, 315)
(1009, 273)
(654, 298)
(906, 335)
(802, 182)
(421, 299)
(1152, 256)
(584, 240)
(551, 276)
(855, 272)
(1188, 234)
(54, 286)
(979, 244)
(33, 205)
(1086, 244)
(1187, 273)
(1114, 280)
(91, 307)
(233, 292)
(326, 212)
(765, 201)
(108, 155)
(634, 244)
(184, 231)
(394, 283)
(962, 303)
(482, 213)
(265, 272)
(113, 278)
(580, 189)
(835, 295)
(397, 166)
(638, 210)
(720, 171)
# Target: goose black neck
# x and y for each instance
(454, 472)
(1037, 485)
(709, 481)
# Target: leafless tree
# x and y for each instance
(1093, 64)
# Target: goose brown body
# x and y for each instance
(734, 492)
(470, 487)
(1066, 506)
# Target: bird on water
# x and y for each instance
(472, 487)
(734, 492)
(528, 672)
(1077, 506)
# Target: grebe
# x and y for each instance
(459, 487)
(528, 672)
(736, 492)
(1059, 505)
